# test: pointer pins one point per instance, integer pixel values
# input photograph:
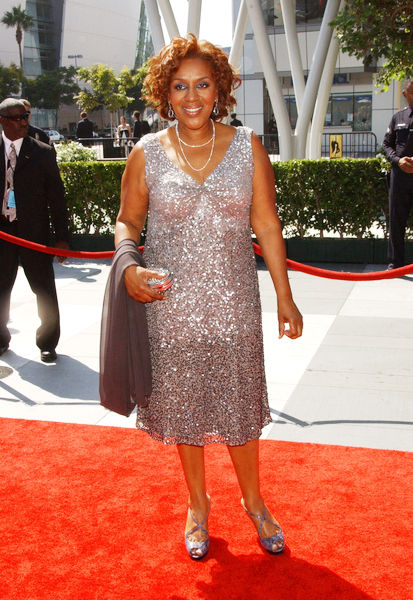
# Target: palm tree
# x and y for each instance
(16, 17)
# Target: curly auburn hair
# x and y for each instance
(167, 62)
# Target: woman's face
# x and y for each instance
(122, 120)
(192, 92)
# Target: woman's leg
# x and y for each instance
(246, 462)
(192, 459)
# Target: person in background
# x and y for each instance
(204, 185)
(272, 131)
(145, 127)
(124, 130)
(84, 129)
(398, 149)
(234, 121)
(140, 127)
(137, 130)
(124, 135)
(32, 190)
(272, 126)
(33, 131)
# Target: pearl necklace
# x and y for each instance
(195, 145)
(200, 146)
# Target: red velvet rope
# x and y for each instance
(296, 266)
(292, 264)
(55, 251)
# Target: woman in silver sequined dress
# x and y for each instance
(203, 185)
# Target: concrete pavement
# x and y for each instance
(347, 381)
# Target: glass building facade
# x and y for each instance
(144, 46)
(42, 43)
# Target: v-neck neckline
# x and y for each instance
(187, 174)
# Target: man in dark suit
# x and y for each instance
(137, 129)
(35, 132)
(84, 128)
(31, 189)
(398, 148)
(234, 121)
(140, 127)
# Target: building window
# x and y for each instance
(292, 110)
(307, 11)
(339, 111)
(362, 113)
(344, 110)
(310, 11)
(269, 11)
(352, 110)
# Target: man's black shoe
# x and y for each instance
(392, 266)
(3, 349)
(48, 356)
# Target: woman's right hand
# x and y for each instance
(136, 283)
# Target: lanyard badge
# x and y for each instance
(11, 200)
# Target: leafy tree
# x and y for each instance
(11, 78)
(52, 89)
(135, 92)
(105, 88)
(379, 29)
(18, 18)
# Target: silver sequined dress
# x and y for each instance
(206, 338)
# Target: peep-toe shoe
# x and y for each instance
(267, 543)
(198, 550)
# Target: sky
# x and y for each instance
(216, 20)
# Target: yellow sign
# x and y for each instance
(336, 146)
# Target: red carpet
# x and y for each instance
(82, 508)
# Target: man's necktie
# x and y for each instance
(9, 204)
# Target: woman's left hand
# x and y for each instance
(290, 320)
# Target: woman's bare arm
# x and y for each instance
(267, 227)
(130, 221)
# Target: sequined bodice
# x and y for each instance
(206, 337)
(199, 214)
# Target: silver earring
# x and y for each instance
(215, 110)
(171, 113)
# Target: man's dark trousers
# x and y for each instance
(401, 198)
(38, 268)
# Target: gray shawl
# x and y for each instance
(125, 365)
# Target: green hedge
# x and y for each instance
(93, 194)
(346, 196)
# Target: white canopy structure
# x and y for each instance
(311, 96)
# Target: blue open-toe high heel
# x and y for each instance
(198, 550)
(269, 542)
